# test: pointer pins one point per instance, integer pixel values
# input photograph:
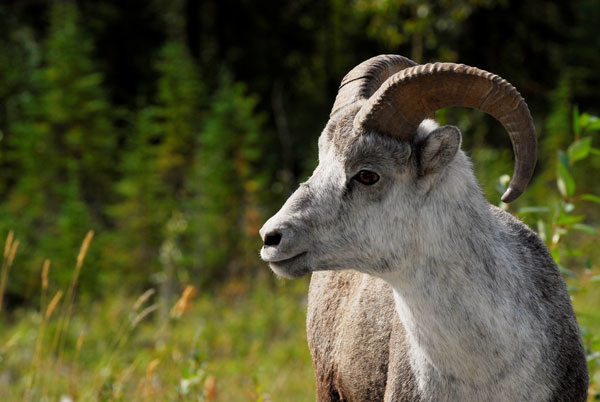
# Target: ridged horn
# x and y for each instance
(363, 80)
(408, 97)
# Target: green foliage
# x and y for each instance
(227, 184)
(421, 24)
(63, 147)
(20, 53)
(561, 215)
(160, 154)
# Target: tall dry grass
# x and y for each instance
(47, 369)
(10, 251)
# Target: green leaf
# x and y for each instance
(580, 149)
(532, 210)
(568, 219)
(576, 128)
(591, 197)
(564, 158)
(585, 228)
(555, 253)
(564, 180)
(593, 124)
(574, 253)
(584, 120)
(595, 151)
(541, 230)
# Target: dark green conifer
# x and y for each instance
(158, 158)
(227, 185)
(65, 148)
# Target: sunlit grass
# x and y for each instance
(223, 348)
(244, 342)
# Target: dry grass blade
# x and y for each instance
(68, 303)
(74, 378)
(185, 301)
(126, 329)
(210, 388)
(150, 369)
(35, 362)
(12, 341)
(10, 251)
(13, 252)
(79, 343)
(8, 243)
(143, 298)
(148, 388)
(45, 273)
(67, 308)
(129, 325)
(84, 248)
(53, 304)
(49, 311)
(143, 314)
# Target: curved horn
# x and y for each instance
(408, 97)
(363, 80)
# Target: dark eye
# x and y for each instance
(366, 177)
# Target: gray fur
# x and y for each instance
(421, 290)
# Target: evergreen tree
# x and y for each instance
(65, 150)
(227, 185)
(158, 157)
(19, 55)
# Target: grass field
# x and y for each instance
(237, 345)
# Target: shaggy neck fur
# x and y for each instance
(459, 295)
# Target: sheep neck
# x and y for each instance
(458, 300)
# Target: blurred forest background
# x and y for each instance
(144, 143)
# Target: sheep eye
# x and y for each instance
(366, 177)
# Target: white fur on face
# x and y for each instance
(340, 223)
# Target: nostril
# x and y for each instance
(272, 239)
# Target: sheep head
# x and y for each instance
(385, 168)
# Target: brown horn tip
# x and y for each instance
(510, 195)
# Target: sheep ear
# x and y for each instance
(438, 149)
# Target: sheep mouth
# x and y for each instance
(290, 259)
(291, 268)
